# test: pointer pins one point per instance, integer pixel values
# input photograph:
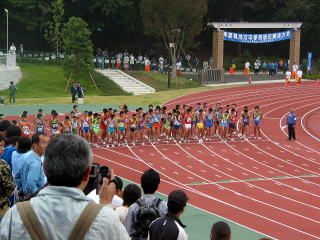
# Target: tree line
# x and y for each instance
(138, 25)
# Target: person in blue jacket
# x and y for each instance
(291, 122)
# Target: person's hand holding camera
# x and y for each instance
(108, 189)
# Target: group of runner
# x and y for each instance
(117, 127)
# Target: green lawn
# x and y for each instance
(159, 81)
(47, 81)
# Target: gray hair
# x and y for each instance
(66, 159)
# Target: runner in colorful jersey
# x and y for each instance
(85, 126)
(232, 123)
(244, 123)
(156, 119)
(218, 116)
(66, 125)
(142, 127)
(39, 124)
(111, 124)
(224, 124)
(209, 123)
(95, 124)
(103, 126)
(133, 123)
(24, 124)
(75, 125)
(200, 125)
(121, 129)
(54, 124)
(177, 126)
(193, 124)
(187, 124)
(166, 123)
(257, 117)
(150, 123)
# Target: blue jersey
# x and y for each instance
(292, 118)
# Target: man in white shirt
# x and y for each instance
(288, 77)
(299, 76)
(247, 68)
(59, 205)
(161, 64)
(131, 62)
(295, 68)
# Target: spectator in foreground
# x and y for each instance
(170, 226)
(24, 146)
(117, 198)
(7, 185)
(220, 231)
(30, 177)
(4, 124)
(58, 206)
(130, 195)
(152, 207)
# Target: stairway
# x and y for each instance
(126, 82)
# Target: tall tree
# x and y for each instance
(77, 43)
(53, 33)
(177, 22)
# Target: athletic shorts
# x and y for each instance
(257, 122)
(187, 125)
(166, 126)
(96, 130)
(156, 125)
(111, 130)
(132, 129)
(245, 124)
(194, 122)
(150, 125)
(140, 128)
(177, 126)
(121, 129)
(208, 123)
(224, 124)
(86, 129)
(103, 127)
(200, 125)
(217, 123)
(75, 131)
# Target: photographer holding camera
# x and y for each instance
(61, 210)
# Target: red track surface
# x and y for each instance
(286, 208)
(281, 208)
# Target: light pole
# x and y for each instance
(7, 30)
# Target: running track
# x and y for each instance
(271, 186)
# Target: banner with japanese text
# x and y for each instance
(257, 38)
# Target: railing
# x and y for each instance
(211, 76)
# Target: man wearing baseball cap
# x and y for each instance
(169, 227)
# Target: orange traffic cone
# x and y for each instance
(250, 80)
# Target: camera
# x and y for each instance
(97, 173)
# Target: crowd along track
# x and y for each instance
(271, 186)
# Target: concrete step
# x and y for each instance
(126, 82)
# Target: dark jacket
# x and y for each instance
(168, 227)
(74, 90)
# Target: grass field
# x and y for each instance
(45, 84)
(159, 81)
(45, 81)
(140, 100)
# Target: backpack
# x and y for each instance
(146, 215)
